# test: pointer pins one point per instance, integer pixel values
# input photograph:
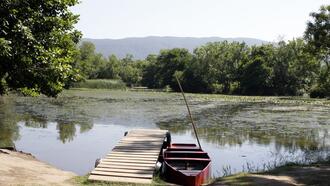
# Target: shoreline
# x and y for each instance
(21, 168)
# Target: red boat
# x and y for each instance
(186, 164)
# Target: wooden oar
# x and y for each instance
(190, 116)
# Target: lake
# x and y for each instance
(240, 133)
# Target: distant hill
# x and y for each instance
(140, 48)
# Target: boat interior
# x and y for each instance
(186, 158)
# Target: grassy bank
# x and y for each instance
(83, 180)
(290, 174)
(101, 84)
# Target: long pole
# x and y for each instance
(190, 116)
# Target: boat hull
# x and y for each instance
(185, 164)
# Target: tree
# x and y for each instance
(131, 71)
(37, 42)
(294, 69)
(149, 72)
(215, 66)
(88, 61)
(111, 69)
(317, 35)
(168, 63)
(160, 70)
(256, 73)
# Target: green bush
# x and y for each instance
(318, 92)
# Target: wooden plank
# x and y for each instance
(133, 157)
(148, 131)
(159, 144)
(146, 146)
(154, 150)
(145, 136)
(135, 150)
(130, 158)
(142, 148)
(133, 153)
(141, 142)
(133, 147)
(129, 164)
(145, 133)
(145, 171)
(128, 161)
(143, 139)
(138, 147)
(158, 136)
(142, 129)
(120, 174)
(126, 167)
(119, 179)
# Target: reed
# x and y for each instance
(101, 84)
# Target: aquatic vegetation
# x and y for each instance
(227, 125)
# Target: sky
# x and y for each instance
(268, 20)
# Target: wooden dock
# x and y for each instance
(133, 159)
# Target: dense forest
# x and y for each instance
(296, 67)
(39, 55)
(284, 68)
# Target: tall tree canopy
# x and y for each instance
(317, 35)
(37, 45)
(88, 62)
(161, 70)
(215, 66)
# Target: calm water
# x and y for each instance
(240, 133)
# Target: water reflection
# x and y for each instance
(234, 124)
(9, 131)
(67, 130)
(34, 121)
(10, 117)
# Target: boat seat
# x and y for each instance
(186, 152)
(189, 159)
(183, 149)
(191, 172)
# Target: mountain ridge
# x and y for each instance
(141, 47)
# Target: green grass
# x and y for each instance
(312, 174)
(83, 180)
(101, 84)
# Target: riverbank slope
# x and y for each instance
(314, 174)
(17, 168)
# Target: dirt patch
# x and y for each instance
(17, 168)
(284, 176)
